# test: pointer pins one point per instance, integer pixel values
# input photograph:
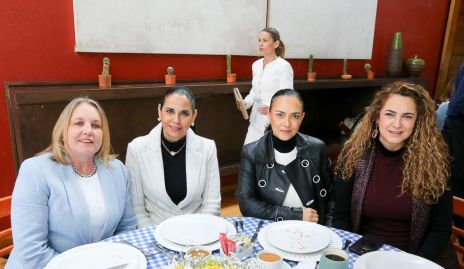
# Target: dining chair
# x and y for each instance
(458, 210)
(6, 240)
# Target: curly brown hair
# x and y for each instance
(425, 157)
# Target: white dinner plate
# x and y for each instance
(192, 229)
(298, 236)
(230, 230)
(335, 242)
(99, 255)
(393, 259)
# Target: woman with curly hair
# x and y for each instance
(392, 175)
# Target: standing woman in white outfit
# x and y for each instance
(270, 74)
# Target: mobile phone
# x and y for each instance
(366, 244)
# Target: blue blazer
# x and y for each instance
(49, 214)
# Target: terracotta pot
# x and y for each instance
(170, 79)
(370, 75)
(346, 76)
(231, 78)
(104, 81)
(311, 76)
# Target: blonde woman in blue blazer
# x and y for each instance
(73, 193)
(173, 171)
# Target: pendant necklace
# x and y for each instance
(172, 152)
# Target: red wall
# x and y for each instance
(38, 40)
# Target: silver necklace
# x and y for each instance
(173, 153)
(94, 170)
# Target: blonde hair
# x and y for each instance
(60, 130)
(425, 157)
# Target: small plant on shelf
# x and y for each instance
(370, 73)
(345, 75)
(104, 80)
(170, 78)
(311, 76)
(231, 77)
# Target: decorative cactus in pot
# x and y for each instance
(170, 70)
(106, 66)
(367, 67)
(231, 77)
(345, 63)
(311, 63)
(170, 78)
(104, 80)
(228, 63)
(311, 76)
(345, 75)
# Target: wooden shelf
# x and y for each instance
(131, 107)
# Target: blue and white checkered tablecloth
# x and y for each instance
(142, 238)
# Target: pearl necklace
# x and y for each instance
(173, 153)
(94, 170)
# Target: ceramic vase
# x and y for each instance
(414, 66)
(395, 59)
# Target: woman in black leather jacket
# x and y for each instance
(285, 175)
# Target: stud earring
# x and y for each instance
(159, 119)
(193, 124)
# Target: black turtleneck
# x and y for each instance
(387, 152)
(175, 176)
(284, 146)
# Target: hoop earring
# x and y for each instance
(375, 132)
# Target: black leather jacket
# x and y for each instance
(263, 184)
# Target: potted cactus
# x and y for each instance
(170, 78)
(311, 75)
(231, 77)
(370, 73)
(345, 75)
(104, 80)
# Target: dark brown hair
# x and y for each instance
(280, 50)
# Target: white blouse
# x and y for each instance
(276, 75)
(267, 80)
(95, 201)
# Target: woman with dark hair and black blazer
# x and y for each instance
(285, 175)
